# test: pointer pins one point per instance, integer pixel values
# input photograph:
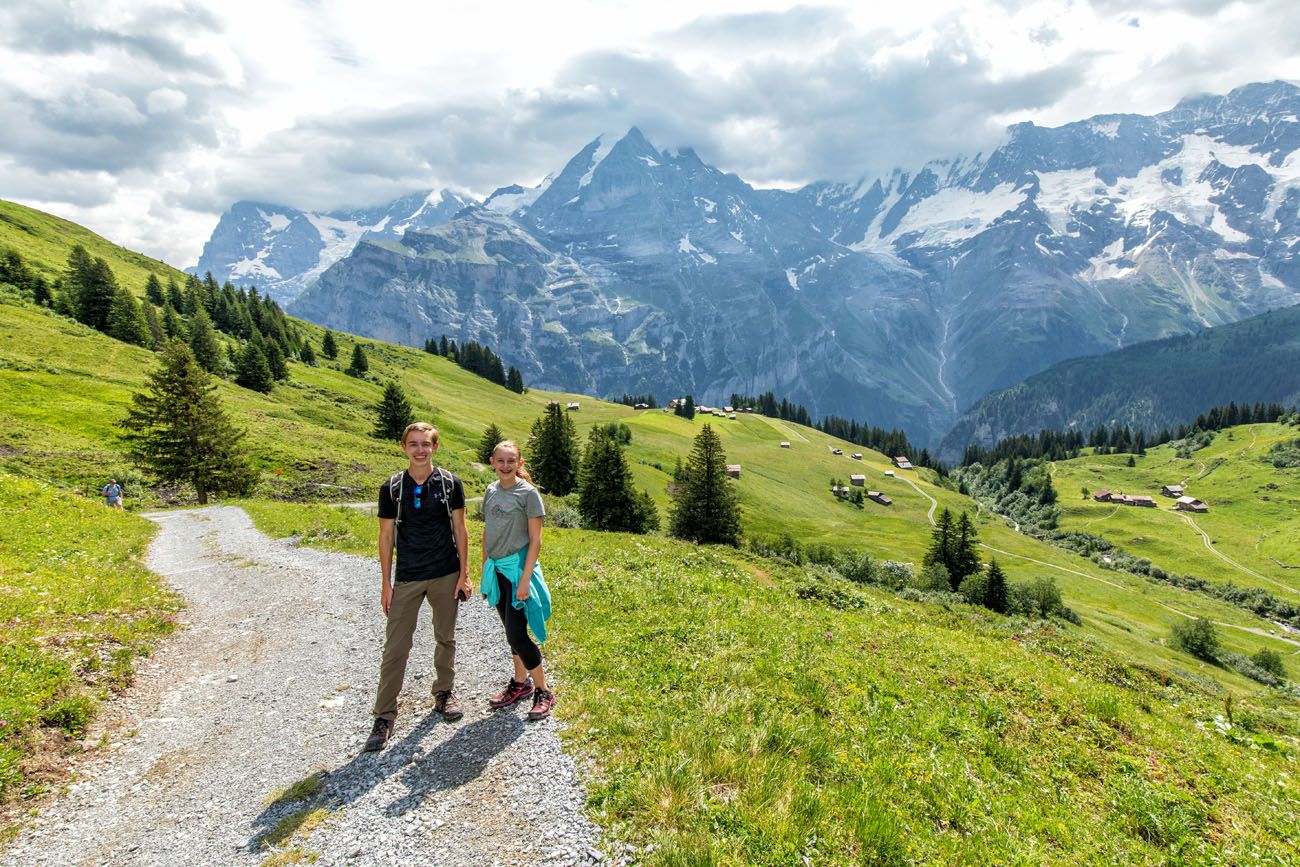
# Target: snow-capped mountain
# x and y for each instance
(283, 250)
(900, 300)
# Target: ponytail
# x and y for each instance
(522, 472)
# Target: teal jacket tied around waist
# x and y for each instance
(538, 607)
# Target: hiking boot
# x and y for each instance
(543, 701)
(379, 735)
(514, 691)
(445, 703)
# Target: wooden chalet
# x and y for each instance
(857, 456)
(1174, 491)
(1102, 496)
(1134, 500)
(1190, 504)
(858, 480)
(641, 406)
(785, 444)
(840, 491)
(573, 406)
(878, 497)
(728, 410)
(889, 473)
(837, 451)
(733, 470)
(902, 463)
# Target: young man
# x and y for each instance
(422, 514)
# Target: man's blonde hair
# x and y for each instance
(420, 426)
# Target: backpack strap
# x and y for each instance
(395, 493)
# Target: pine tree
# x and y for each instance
(157, 337)
(275, 361)
(153, 291)
(203, 342)
(488, 443)
(553, 452)
(307, 355)
(686, 408)
(178, 429)
(965, 556)
(328, 347)
(995, 594)
(41, 293)
(125, 322)
(607, 499)
(705, 506)
(359, 365)
(941, 545)
(251, 369)
(174, 296)
(514, 380)
(172, 325)
(94, 286)
(392, 414)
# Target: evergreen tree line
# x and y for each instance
(1121, 439)
(705, 507)
(479, 360)
(635, 399)
(767, 404)
(893, 442)
(194, 313)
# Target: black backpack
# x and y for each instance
(446, 479)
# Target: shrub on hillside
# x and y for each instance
(1039, 597)
(565, 516)
(1246, 666)
(1270, 661)
(1197, 637)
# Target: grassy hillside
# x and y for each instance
(78, 607)
(737, 710)
(1153, 385)
(44, 241)
(1250, 536)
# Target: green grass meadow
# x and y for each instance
(78, 608)
(737, 710)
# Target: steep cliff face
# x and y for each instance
(899, 300)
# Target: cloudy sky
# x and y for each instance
(145, 120)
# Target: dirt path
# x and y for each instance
(1209, 546)
(271, 682)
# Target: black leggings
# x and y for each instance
(516, 624)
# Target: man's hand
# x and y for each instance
(463, 588)
(386, 597)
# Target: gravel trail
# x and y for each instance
(270, 682)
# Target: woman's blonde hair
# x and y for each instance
(420, 426)
(511, 444)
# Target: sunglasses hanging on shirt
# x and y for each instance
(419, 489)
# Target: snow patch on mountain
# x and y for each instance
(954, 214)
(274, 222)
(606, 142)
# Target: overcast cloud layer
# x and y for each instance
(145, 121)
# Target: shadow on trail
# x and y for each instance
(456, 761)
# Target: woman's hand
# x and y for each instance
(521, 592)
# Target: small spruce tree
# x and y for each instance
(153, 291)
(491, 436)
(359, 365)
(607, 499)
(275, 361)
(307, 355)
(995, 589)
(553, 451)
(125, 320)
(392, 414)
(515, 380)
(705, 507)
(178, 430)
(203, 342)
(328, 346)
(251, 369)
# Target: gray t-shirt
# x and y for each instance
(505, 515)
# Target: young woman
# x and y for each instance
(512, 577)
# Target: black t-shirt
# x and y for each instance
(425, 545)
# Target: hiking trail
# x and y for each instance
(271, 682)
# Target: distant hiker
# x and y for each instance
(422, 514)
(112, 493)
(512, 577)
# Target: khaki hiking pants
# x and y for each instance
(408, 596)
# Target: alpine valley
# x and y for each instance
(899, 300)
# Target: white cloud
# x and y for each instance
(147, 119)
